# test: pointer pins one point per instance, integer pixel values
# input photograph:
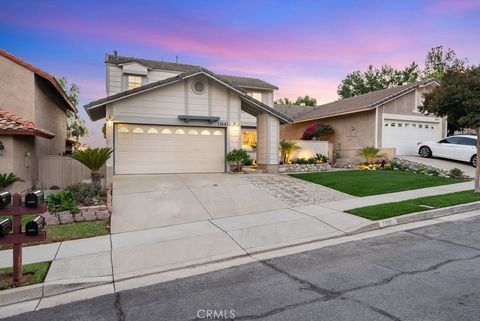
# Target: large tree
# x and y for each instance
(373, 79)
(75, 125)
(458, 98)
(305, 100)
(439, 60)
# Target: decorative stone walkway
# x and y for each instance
(295, 192)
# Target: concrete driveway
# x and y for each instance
(442, 163)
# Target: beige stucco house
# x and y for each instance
(33, 118)
(388, 119)
(165, 117)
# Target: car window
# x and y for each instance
(451, 140)
(468, 141)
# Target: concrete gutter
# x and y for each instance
(22, 299)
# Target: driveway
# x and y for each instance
(150, 201)
(442, 164)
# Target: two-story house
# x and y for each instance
(165, 117)
(33, 120)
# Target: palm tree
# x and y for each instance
(286, 149)
(370, 153)
(7, 180)
(94, 159)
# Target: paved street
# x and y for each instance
(429, 273)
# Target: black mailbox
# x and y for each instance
(5, 226)
(32, 227)
(5, 199)
(34, 199)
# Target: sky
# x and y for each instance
(303, 47)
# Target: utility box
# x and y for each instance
(5, 226)
(34, 199)
(32, 227)
(5, 199)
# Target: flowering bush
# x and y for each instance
(368, 167)
(317, 131)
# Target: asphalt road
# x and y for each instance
(428, 274)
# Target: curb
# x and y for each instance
(49, 289)
(414, 217)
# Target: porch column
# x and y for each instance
(268, 136)
(109, 122)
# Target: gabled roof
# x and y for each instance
(293, 110)
(97, 109)
(11, 124)
(173, 66)
(53, 82)
(360, 103)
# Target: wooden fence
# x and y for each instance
(61, 171)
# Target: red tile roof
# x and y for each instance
(11, 124)
(42, 74)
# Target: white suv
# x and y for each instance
(459, 147)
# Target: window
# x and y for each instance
(179, 132)
(450, 140)
(205, 133)
(134, 81)
(399, 124)
(468, 141)
(152, 131)
(420, 126)
(386, 124)
(123, 130)
(426, 126)
(392, 125)
(249, 140)
(217, 133)
(255, 95)
(166, 131)
(192, 132)
(138, 130)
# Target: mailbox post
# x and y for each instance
(17, 237)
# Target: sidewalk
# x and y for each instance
(101, 260)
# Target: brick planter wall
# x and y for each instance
(296, 168)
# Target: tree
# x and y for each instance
(284, 101)
(75, 125)
(439, 61)
(373, 79)
(287, 147)
(94, 159)
(458, 99)
(306, 100)
(237, 157)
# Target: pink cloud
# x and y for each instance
(448, 7)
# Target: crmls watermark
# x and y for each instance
(215, 314)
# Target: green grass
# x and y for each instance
(366, 183)
(78, 230)
(386, 210)
(32, 274)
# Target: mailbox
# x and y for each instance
(5, 226)
(32, 227)
(34, 199)
(5, 199)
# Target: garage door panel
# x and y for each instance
(404, 135)
(143, 149)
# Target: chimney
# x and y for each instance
(115, 53)
(176, 60)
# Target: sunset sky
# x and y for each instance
(303, 47)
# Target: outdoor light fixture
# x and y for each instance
(109, 120)
(2, 148)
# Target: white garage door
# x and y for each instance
(404, 135)
(148, 149)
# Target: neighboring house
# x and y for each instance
(386, 119)
(165, 117)
(33, 118)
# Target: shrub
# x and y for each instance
(237, 157)
(433, 172)
(388, 166)
(305, 161)
(317, 131)
(456, 173)
(321, 158)
(370, 153)
(368, 167)
(287, 147)
(248, 161)
(61, 201)
(8, 179)
(87, 194)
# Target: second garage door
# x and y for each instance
(152, 149)
(404, 135)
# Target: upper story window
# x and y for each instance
(134, 81)
(255, 95)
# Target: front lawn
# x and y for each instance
(58, 233)
(32, 274)
(386, 210)
(366, 183)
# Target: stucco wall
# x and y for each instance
(352, 132)
(16, 88)
(26, 163)
(7, 159)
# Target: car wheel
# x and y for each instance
(473, 161)
(425, 151)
